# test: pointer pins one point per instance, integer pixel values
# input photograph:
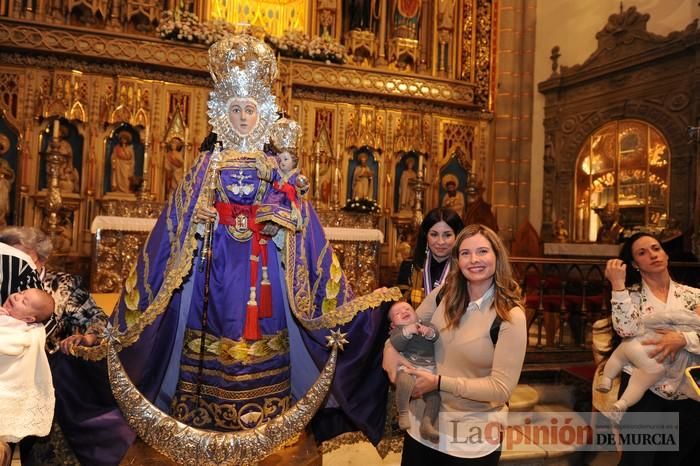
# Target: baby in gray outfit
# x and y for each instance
(414, 340)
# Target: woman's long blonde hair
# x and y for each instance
(507, 294)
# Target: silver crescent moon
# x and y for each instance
(188, 445)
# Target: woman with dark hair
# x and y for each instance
(435, 241)
(479, 355)
(642, 286)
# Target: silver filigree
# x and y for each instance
(284, 135)
(188, 445)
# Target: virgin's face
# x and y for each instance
(649, 256)
(476, 259)
(243, 114)
(441, 238)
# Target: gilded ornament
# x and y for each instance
(188, 445)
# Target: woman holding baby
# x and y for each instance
(641, 287)
(478, 356)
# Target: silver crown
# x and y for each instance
(284, 135)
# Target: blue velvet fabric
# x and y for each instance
(300, 276)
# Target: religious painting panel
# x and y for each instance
(453, 181)
(363, 169)
(405, 172)
(9, 157)
(124, 163)
(70, 146)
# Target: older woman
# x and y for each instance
(478, 356)
(77, 319)
(642, 286)
(430, 264)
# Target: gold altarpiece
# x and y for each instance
(118, 89)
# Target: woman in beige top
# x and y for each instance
(475, 377)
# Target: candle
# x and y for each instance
(420, 164)
(56, 128)
(187, 135)
(148, 133)
(337, 152)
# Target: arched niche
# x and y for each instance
(71, 143)
(364, 162)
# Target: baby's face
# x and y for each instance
(286, 162)
(402, 313)
(22, 305)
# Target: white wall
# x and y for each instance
(572, 25)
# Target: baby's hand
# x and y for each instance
(425, 331)
(411, 329)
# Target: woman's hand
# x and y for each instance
(615, 272)
(69, 343)
(391, 361)
(670, 343)
(205, 215)
(425, 382)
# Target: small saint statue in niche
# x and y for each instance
(362, 178)
(561, 234)
(123, 163)
(68, 176)
(453, 199)
(407, 196)
(478, 210)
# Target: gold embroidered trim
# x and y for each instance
(228, 351)
(282, 218)
(177, 268)
(235, 395)
(386, 445)
(345, 313)
(235, 378)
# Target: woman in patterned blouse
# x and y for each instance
(642, 285)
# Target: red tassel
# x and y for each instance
(265, 298)
(252, 326)
(265, 288)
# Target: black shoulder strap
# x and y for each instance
(438, 298)
(495, 328)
